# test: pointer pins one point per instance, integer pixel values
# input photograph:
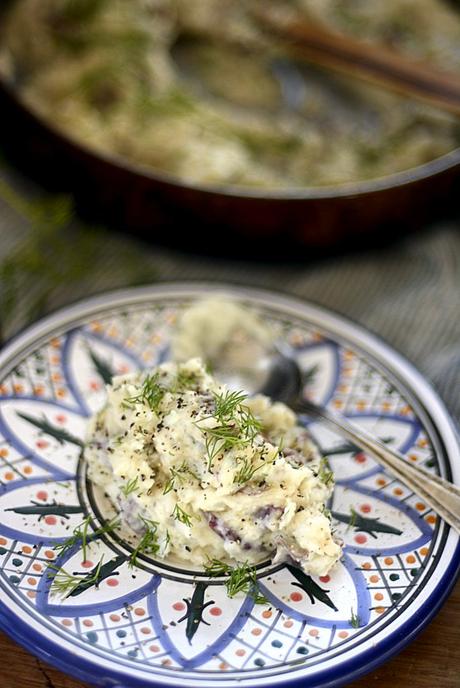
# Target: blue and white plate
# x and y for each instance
(158, 625)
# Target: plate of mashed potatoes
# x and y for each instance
(162, 524)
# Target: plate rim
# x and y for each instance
(430, 402)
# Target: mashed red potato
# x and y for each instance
(217, 475)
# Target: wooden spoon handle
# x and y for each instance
(373, 63)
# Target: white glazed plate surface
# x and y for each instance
(158, 625)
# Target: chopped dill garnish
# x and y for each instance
(215, 567)
(354, 621)
(182, 516)
(130, 487)
(237, 425)
(148, 544)
(178, 474)
(65, 583)
(80, 536)
(246, 471)
(242, 578)
(184, 380)
(227, 404)
(324, 472)
(151, 393)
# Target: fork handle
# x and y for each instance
(441, 495)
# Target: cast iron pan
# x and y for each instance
(227, 221)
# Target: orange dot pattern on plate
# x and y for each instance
(37, 567)
(27, 470)
(313, 632)
(296, 596)
(431, 519)
(256, 631)
(413, 457)
(424, 551)
(215, 611)
(145, 630)
(27, 549)
(88, 623)
(381, 482)
(66, 622)
(343, 634)
(398, 492)
(32, 581)
(374, 579)
(267, 614)
(240, 652)
(367, 565)
(378, 596)
(49, 554)
(411, 559)
(9, 475)
(288, 624)
(139, 611)
(166, 662)
(154, 648)
(32, 594)
(178, 606)
(4, 453)
(39, 390)
(3, 541)
(223, 666)
(380, 610)
(388, 561)
(114, 617)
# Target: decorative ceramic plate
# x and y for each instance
(157, 624)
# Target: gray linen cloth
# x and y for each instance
(409, 294)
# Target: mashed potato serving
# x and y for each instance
(210, 473)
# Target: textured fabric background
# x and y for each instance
(408, 294)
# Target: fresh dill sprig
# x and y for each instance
(178, 474)
(182, 516)
(148, 544)
(80, 536)
(324, 472)
(242, 578)
(237, 426)
(220, 439)
(246, 471)
(151, 393)
(227, 404)
(215, 567)
(354, 621)
(130, 487)
(65, 583)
